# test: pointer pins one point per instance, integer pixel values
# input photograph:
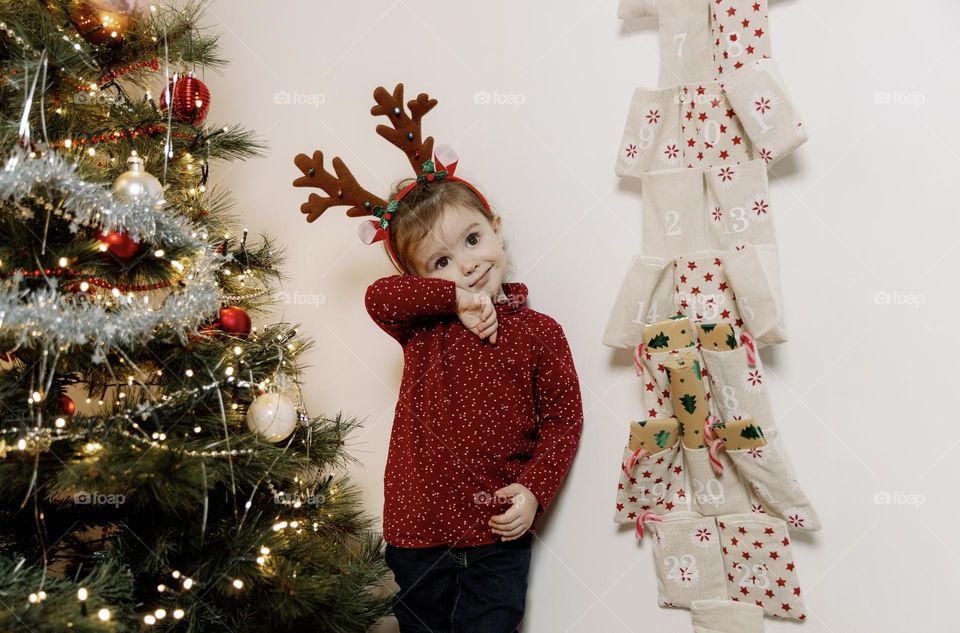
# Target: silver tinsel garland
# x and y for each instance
(50, 319)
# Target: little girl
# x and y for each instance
(487, 423)
(489, 414)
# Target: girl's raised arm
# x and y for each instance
(397, 302)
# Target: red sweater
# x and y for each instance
(471, 417)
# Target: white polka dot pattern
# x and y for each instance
(471, 417)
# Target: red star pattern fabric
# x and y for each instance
(742, 287)
(759, 567)
(471, 417)
(741, 33)
(654, 484)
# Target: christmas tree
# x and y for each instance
(159, 468)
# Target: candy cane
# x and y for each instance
(747, 339)
(637, 454)
(638, 359)
(714, 445)
(646, 516)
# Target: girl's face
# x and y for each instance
(464, 247)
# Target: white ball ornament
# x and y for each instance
(138, 184)
(273, 416)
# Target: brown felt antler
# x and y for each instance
(342, 189)
(404, 129)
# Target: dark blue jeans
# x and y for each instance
(480, 589)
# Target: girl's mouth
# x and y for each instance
(482, 278)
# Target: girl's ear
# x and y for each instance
(495, 222)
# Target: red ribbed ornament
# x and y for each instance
(191, 99)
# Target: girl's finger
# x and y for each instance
(488, 331)
(514, 534)
(511, 525)
(509, 516)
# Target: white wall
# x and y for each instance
(862, 391)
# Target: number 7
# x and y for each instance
(682, 37)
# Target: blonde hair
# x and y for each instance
(421, 209)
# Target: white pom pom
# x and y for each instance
(446, 158)
(367, 231)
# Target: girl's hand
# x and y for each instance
(477, 313)
(519, 517)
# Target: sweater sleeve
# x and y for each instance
(560, 409)
(397, 302)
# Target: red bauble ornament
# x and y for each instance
(120, 244)
(191, 99)
(234, 321)
(65, 405)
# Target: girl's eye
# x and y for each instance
(475, 237)
(442, 262)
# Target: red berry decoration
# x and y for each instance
(191, 99)
(120, 244)
(65, 405)
(234, 321)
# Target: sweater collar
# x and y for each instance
(516, 298)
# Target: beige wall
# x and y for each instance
(863, 209)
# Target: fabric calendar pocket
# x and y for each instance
(715, 486)
(738, 382)
(767, 112)
(651, 471)
(688, 559)
(645, 295)
(725, 616)
(674, 219)
(650, 140)
(760, 461)
(738, 206)
(759, 565)
(685, 51)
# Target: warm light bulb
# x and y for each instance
(238, 583)
(81, 594)
(104, 614)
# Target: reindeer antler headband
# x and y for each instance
(343, 189)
